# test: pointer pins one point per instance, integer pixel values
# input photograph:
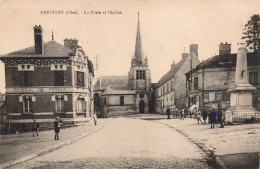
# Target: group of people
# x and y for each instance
(57, 126)
(215, 116)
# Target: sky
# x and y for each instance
(168, 27)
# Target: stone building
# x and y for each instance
(170, 89)
(48, 80)
(133, 96)
(218, 74)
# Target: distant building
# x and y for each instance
(218, 74)
(170, 90)
(133, 96)
(48, 80)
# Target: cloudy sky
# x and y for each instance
(167, 27)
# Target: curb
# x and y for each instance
(204, 147)
(49, 149)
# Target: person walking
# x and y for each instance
(168, 112)
(212, 118)
(95, 118)
(35, 127)
(57, 125)
(182, 113)
(220, 116)
(204, 115)
(199, 115)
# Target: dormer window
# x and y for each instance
(61, 66)
(23, 66)
(28, 66)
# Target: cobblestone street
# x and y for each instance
(126, 143)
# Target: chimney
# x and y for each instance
(184, 55)
(194, 48)
(224, 48)
(38, 41)
(173, 64)
(71, 43)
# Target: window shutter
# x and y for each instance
(65, 98)
(76, 106)
(53, 98)
(84, 106)
(20, 98)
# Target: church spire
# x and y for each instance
(138, 45)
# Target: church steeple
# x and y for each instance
(138, 57)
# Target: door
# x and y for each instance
(141, 106)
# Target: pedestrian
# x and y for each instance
(182, 113)
(204, 115)
(220, 116)
(168, 113)
(35, 127)
(95, 118)
(57, 126)
(199, 114)
(212, 117)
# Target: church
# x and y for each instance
(122, 95)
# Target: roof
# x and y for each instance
(171, 73)
(227, 60)
(110, 80)
(118, 89)
(51, 49)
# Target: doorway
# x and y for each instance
(141, 106)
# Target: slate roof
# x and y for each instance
(171, 73)
(51, 49)
(118, 90)
(227, 60)
(111, 80)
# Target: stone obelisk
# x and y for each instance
(241, 93)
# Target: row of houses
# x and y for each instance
(204, 83)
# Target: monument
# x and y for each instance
(241, 93)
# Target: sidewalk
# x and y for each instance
(21, 147)
(234, 146)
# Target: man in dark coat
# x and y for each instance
(204, 115)
(168, 112)
(35, 127)
(57, 125)
(212, 118)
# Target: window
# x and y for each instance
(167, 87)
(253, 78)
(80, 79)
(26, 79)
(171, 86)
(59, 104)
(163, 89)
(27, 104)
(196, 83)
(137, 74)
(81, 105)
(59, 78)
(121, 100)
(143, 74)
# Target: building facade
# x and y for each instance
(217, 75)
(48, 80)
(170, 90)
(133, 96)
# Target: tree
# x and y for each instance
(252, 33)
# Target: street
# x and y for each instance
(126, 143)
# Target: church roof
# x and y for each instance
(51, 49)
(118, 90)
(171, 73)
(110, 80)
(138, 43)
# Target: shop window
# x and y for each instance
(80, 79)
(253, 78)
(196, 83)
(59, 78)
